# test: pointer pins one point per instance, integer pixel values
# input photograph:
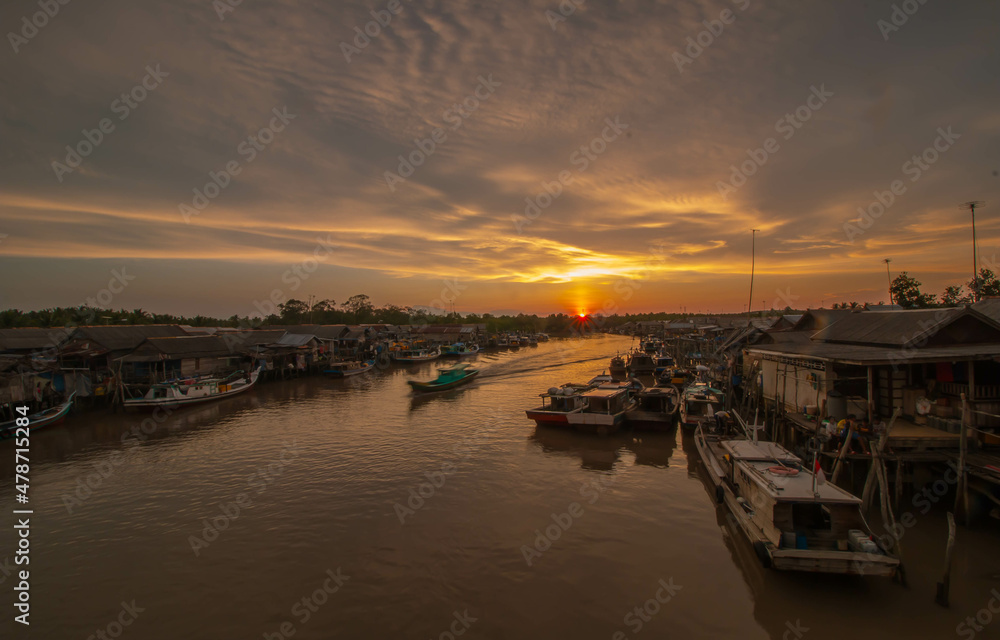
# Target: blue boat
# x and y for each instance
(448, 378)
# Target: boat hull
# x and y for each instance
(153, 403)
(805, 560)
(52, 416)
(430, 387)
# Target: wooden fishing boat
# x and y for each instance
(44, 418)
(558, 403)
(793, 519)
(594, 408)
(640, 362)
(416, 354)
(352, 368)
(657, 409)
(699, 404)
(204, 390)
(662, 363)
(618, 368)
(459, 350)
(448, 378)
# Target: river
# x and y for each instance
(316, 508)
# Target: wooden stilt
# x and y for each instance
(944, 586)
(866, 495)
(962, 491)
(843, 453)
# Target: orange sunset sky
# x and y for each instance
(493, 101)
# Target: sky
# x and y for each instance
(214, 157)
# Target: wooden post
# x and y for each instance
(945, 585)
(843, 452)
(866, 496)
(962, 491)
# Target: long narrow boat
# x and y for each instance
(793, 520)
(345, 369)
(172, 394)
(448, 378)
(416, 354)
(44, 418)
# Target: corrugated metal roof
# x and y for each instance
(816, 319)
(875, 355)
(295, 339)
(125, 337)
(174, 347)
(33, 338)
(251, 338)
(989, 307)
(898, 328)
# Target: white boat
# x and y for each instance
(794, 521)
(345, 369)
(595, 408)
(416, 354)
(204, 390)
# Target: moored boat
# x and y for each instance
(618, 368)
(699, 404)
(793, 519)
(657, 409)
(640, 362)
(662, 363)
(459, 350)
(173, 394)
(345, 369)
(416, 354)
(44, 418)
(596, 407)
(448, 378)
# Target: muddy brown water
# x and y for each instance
(317, 508)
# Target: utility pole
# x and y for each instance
(753, 256)
(971, 206)
(889, 277)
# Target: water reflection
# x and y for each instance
(597, 453)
